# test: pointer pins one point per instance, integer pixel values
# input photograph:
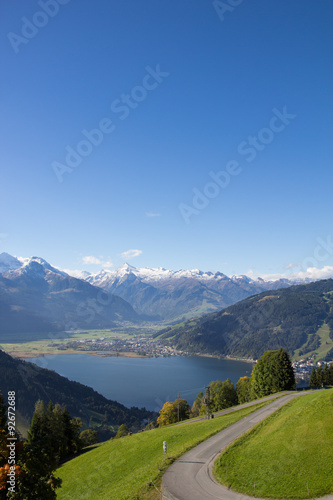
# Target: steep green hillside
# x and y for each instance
(299, 319)
(30, 383)
(289, 455)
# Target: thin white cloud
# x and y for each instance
(130, 254)
(290, 266)
(152, 214)
(311, 274)
(90, 259)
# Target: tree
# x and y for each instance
(320, 376)
(37, 479)
(39, 430)
(151, 425)
(196, 407)
(272, 373)
(313, 382)
(243, 389)
(173, 412)
(122, 431)
(331, 374)
(52, 435)
(39, 458)
(326, 376)
(222, 394)
(88, 437)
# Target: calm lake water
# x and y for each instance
(148, 382)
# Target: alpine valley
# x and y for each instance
(193, 311)
(37, 298)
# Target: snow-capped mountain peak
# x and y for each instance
(34, 266)
(8, 262)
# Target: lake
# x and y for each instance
(148, 382)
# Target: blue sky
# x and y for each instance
(154, 97)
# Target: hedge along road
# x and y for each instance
(191, 477)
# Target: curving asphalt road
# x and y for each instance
(191, 478)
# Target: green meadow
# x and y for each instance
(132, 467)
(288, 455)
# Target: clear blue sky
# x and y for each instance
(179, 90)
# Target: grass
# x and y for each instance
(289, 455)
(326, 344)
(51, 344)
(123, 468)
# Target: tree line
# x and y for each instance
(53, 436)
(272, 373)
(321, 377)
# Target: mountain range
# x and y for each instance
(166, 295)
(38, 297)
(298, 318)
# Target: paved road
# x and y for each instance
(191, 478)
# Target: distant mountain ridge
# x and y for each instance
(298, 318)
(38, 298)
(168, 294)
(152, 294)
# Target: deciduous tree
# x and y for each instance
(243, 389)
(222, 394)
(122, 431)
(174, 412)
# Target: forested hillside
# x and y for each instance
(299, 319)
(30, 383)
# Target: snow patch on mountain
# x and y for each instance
(8, 262)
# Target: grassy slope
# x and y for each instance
(326, 344)
(120, 469)
(289, 455)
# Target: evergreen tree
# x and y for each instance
(52, 435)
(272, 373)
(320, 376)
(326, 376)
(284, 372)
(313, 382)
(330, 370)
(39, 431)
